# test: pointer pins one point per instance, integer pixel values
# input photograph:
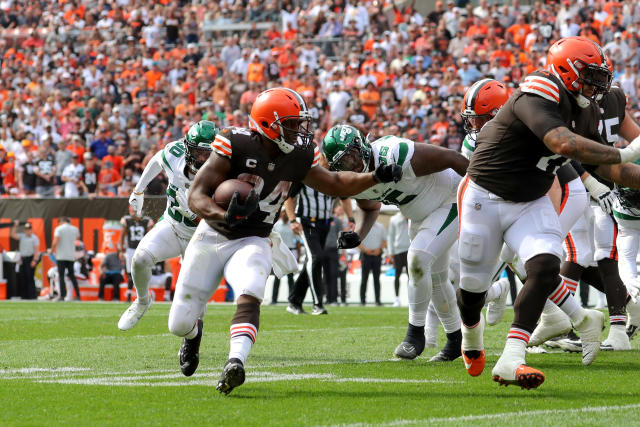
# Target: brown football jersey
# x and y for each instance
(510, 159)
(271, 178)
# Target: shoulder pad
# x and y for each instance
(221, 145)
(541, 85)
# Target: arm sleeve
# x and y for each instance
(540, 115)
(578, 167)
(154, 167)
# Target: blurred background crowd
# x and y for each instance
(91, 89)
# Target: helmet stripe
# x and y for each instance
(473, 93)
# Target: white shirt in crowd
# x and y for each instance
(74, 172)
(398, 234)
(67, 235)
(376, 237)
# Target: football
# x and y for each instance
(225, 192)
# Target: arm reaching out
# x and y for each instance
(153, 168)
(210, 175)
(346, 184)
(428, 159)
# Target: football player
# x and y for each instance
(503, 198)
(275, 152)
(612, 120)
(133, 230)
(426, 195)
(180, 161)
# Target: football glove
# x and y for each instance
(631, 152)
(387, 173)
(348, 240)
(606, 201)
(238, 212)
(136, 200)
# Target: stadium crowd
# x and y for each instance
(92, 90)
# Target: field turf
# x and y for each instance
(68, 364)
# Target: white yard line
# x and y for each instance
(513, 415)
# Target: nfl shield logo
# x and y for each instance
(477, 206)
(271, 167)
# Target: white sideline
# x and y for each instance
(497, 416)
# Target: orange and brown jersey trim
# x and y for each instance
(316, 157)
(221, 146)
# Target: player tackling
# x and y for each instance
(275, 152)
(179, 160)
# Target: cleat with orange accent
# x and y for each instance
(526, 377)
(474, 361)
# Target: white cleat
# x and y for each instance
(553, 323)
(495, 308)
(617, 339)
(396, 302)
(590, 330)
(133, 314)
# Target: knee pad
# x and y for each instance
(181, 318)
(142, 259)
(247, 313)
(545, 270)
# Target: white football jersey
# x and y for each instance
(416, 197)
(469, 145)
(177, 212)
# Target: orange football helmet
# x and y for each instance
(281, 115)
(481, 103)
(577, 61)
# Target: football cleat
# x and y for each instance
(451, 350)
(553, 323)
(232, 376)
(553, 342)
(318, 310)
(189, 353)
(474, 361)
(495, 308)
(524, 376)
(295, 309)
(413, 344)
(618, 340)
(536, 350)
(133, 314)
(590, 329)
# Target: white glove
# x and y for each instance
(631, 152)
(633, 288)
(136, 200)
(600, 193)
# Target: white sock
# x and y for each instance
(243, 335)
(444, 302)
(419, 293)
(515, 348)
(431, 326)
(563, 298)
(192, 334)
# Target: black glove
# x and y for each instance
(348, 240)
(236, 212)
(387, 173)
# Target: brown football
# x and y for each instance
(225, 191)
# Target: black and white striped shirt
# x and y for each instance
(313, 204)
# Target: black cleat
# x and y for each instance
(451, 350)
(295, 309)
(232, 376)
(318, 310)
(189, 353)
(632, 330)
(413, 343)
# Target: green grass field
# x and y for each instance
(68, 364)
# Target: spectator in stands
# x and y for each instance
(99, 146)
(90, 173)
(29, 249)
(45, 171)
(8, 172)
(111, 274)
(72, 178)
(371, 260)
(64, 249)
(109, 178)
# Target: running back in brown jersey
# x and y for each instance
(272, 178)
(510, 159)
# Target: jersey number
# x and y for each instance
(136, 233)
(611, 137)
(551, 164)
(172, 196)
(270, 205)
(393, 198)
(177, 150)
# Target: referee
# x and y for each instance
(313, 214)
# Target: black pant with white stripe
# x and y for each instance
(314, 239)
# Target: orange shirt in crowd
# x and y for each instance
(441, 128)
(107, 176)
(367, 96)
(477, 29)
(152, 78)
(285, 58)
(255, 72)
(8, 175)
(118, 161)
(519, 33)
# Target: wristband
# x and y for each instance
(352, 219)
(138, 194)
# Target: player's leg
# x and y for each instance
(430, 240)
(159, 244)
(479, 246)
(246, 270)
(375, 269)
(128, 265)
(200, 274)
(628, 242)
(606, 233)
(365, 269)
(497, 293)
